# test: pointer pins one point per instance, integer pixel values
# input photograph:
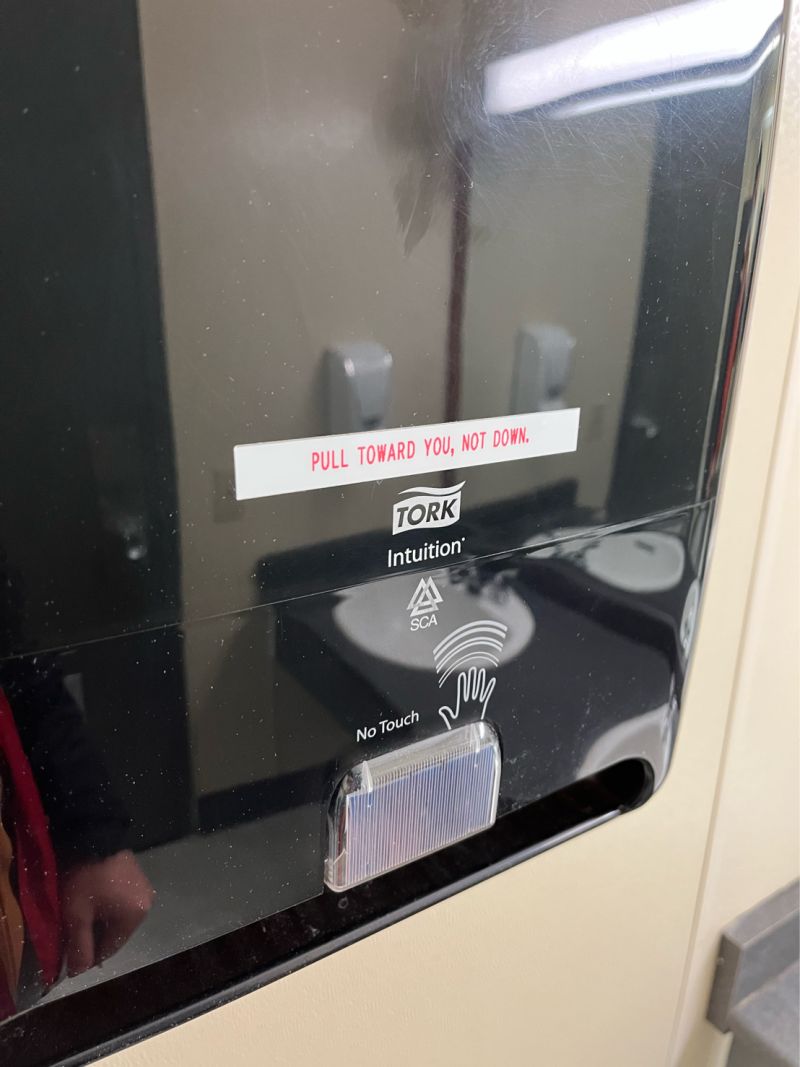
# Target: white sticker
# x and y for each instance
(276, 467)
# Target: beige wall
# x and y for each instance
(754, 845)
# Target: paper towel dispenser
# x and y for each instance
(364, 427)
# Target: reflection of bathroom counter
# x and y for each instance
(590, 660)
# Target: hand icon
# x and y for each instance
(472, 693)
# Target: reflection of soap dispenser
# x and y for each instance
(541, 368)
(359, 378)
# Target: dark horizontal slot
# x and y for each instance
(96, 1021)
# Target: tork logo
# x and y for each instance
(428, 508)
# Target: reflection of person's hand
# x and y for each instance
(102, 903)
(472, 696)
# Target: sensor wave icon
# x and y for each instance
(475, 642)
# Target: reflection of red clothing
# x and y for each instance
(7, 1005)
(35, 862)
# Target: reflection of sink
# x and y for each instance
(638, 561)
(376, 619)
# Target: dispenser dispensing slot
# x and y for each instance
(408, 803)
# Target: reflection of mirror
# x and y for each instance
(641, 562)
(383, 198)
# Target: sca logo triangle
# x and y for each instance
(426, 598)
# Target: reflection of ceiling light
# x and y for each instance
(694, 35)
(648, 93)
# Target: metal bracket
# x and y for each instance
(757, 981)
